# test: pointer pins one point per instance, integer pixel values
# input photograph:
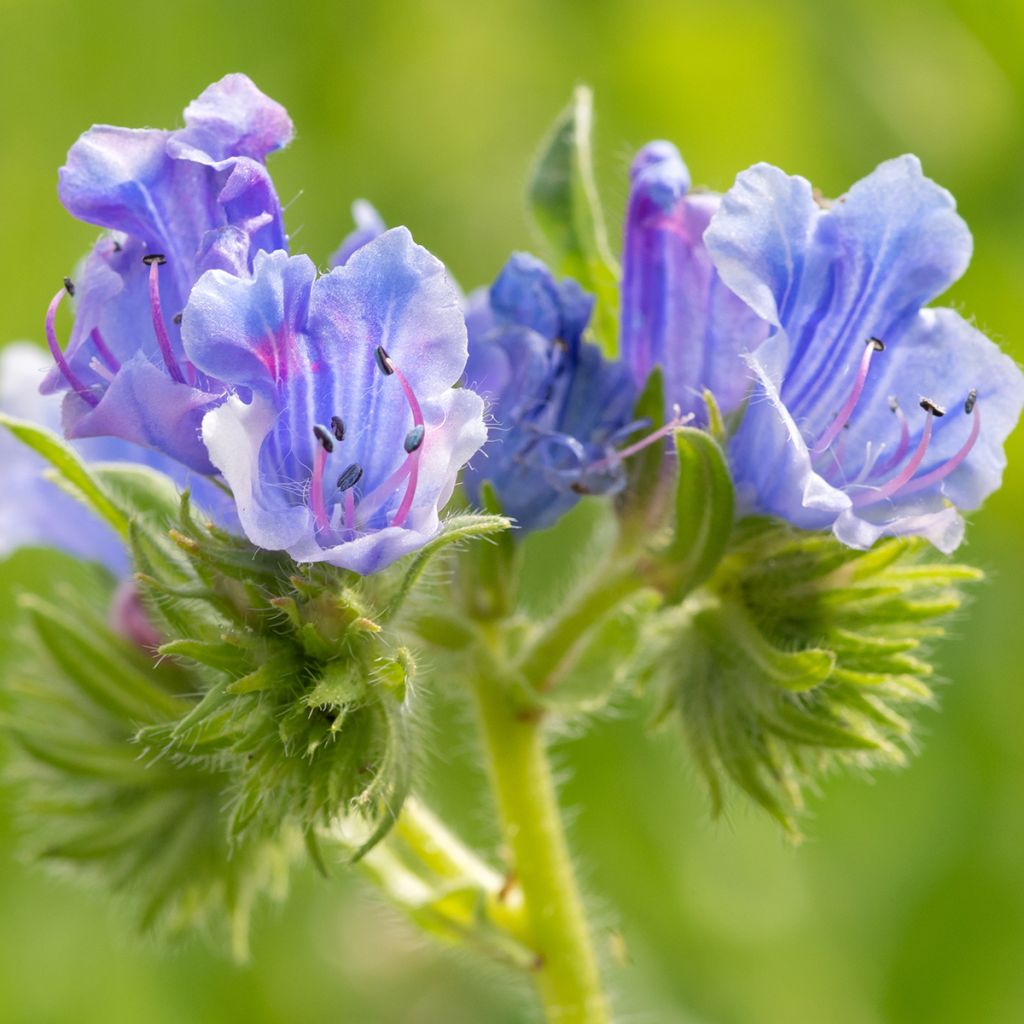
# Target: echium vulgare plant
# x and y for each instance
(301, 485)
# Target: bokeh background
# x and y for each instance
(906, 904)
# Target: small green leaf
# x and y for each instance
(460, 529)
(72, 469)
(562, 197)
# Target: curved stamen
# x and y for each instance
(105, 354)
(897, 456)
(58, 354)
(387, 366)
(678, 420)
(410, 490)
(372, 502)
(941, 472)
(316, 489)
(891, 486)
(872, 346)
(154, 261)
(414, 439)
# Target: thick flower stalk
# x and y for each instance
(345, 434)
(174, 204)
(677, 313)
(870, 415)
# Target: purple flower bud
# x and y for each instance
(676, 313)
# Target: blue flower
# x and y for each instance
(369, 224)
(175, 203)
(559, 407)
(676, 312)
(346, 434)
(869, 415)
(33, 510)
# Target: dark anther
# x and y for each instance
(877, 344)
(338, 427)
(350, 477)
(325, 439)
(893, 403)
(414, 438)
(177, 317)
(154, 257)
(69, 286)
(579, 488)
(929, 406)
(384, 361)
(972, 397)
(117, 245)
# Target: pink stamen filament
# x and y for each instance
(316, 489)
(905, 474)
(414, 405)
(624, 453)
(410, 490)
(160, 328)
(105, 354)
(897, 456)
(412, 463)
(941, 472)
(843, 416)
(58, 355)
(376, 498)
(350, 509)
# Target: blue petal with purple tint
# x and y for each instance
(303, 352)
(200, 196)
(559, 407)
(871, 415)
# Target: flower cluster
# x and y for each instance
(340, 409)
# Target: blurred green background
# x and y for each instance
(907, 902)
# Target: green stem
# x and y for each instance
(566, 967)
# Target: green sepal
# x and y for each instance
(563, 201)
(797, 654)
(702, 514)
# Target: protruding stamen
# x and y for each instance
(316, 490)
(69, 286)
(678, 420)
(58, 355)
(154, 261)
(384, 361)
(897, 456)
(941, 472)
(103, 349)
(410, 490)
(346, 483)
(338, 427)
(414, 438)
(872, 346)
(903, 477)
(352, 475)
(323, 436)
(371, 503)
